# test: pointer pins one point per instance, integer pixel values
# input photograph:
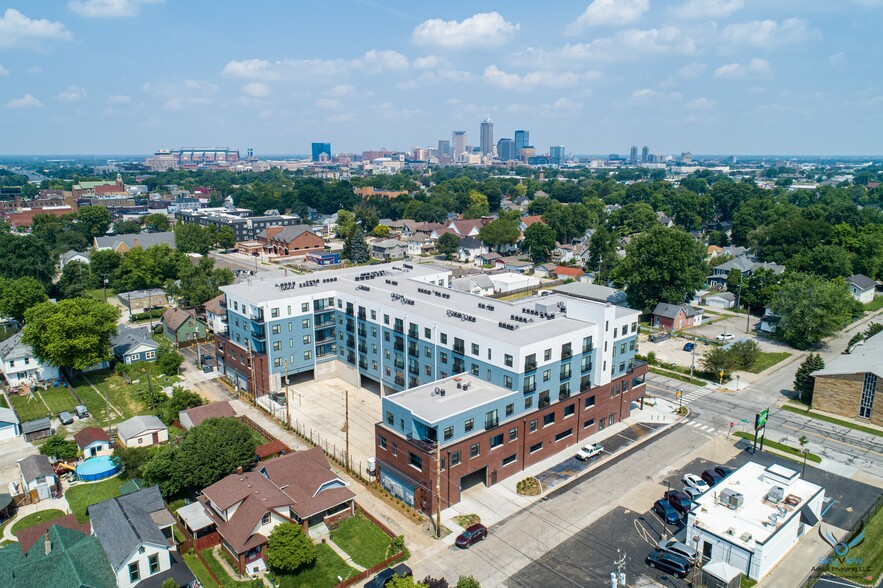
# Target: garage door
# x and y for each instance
(7, 431)
(478, 477)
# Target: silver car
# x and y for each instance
(674, 546)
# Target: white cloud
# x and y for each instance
(256, 89)
(536, 79)
(430, 77)
(373, 61)
(182, 87)
(700, 104)
(178, 103)
(108, 8)
(430, 62)
(17, 30)
(71, 94)
(486, 29)
(561, 107)
(707, 9)
(645, 95)
(3, 71)
(755, 68)
(629, 44)
(608, 13)
(341, 90)
(837, 60)
(566, 104)
(26, 101)
(119, 99)
(379, 61)
(691, 70)
(329, 103)
(769, 33)
(342, 117)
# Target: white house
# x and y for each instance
(754, 517)
(470, 248)
(216, 314)
(20, 366)
(10, 427)
(72, 255)
(38, 477)
(142, 431)
(721, 300)
(861, 287)
(93, 441)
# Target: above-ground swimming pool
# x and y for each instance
(97, 468)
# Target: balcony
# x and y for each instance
(459, 348)
(586, 368)
(587, 348)
(328, 322)
(259, 332)
(543, 403)
(413, 333)
(363, 348)
(566, 354)
(413, 351)
(528, 388)
(362, 315)
(491, 424)
(398, 346)
(564, 395)
(565, 376)
(427, 446)
(362, 332)
(530, 366)
(398, 328)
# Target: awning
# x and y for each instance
(807, 516)
(194, 516)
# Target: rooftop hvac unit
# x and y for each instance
(773, 518)
(776, 494)
(746, 537)
(731, 531)
(731, 498)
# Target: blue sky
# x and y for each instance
(708, 76)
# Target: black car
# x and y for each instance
(473, 534)
(711, 477)
(385, 576)
(666, 511)
(680, 501)
(670, 563)
(724, 471)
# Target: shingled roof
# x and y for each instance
(173, 318)
(90, 435)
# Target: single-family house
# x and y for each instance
(419, 244)
(216, 314)
(526, 221)
(489, 258)
(742, 263)
(124, 243)
(131, 345)
(69, 256)
(861, 287)
(721, 300)
(544, 270)
(135, 532)
(141, 300)
(388, 249)
(19, 365)
(400, 228)
(470, 247)
(36, 535)
(193, 417)
(664, 219)
(674, 317)
(562, 253)
(36, 429)
(513, 264)
(290, 240)
(38, 478)
(10, 427)
(92, 441)
(479, 284)
(564, 272)
(468, 227)
(142, 431)
(183, 326)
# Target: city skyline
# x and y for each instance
(707, 76)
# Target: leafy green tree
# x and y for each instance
(103, 263)
(346, 223)
(367, 217)
(197, 284)
(26, 256)
(829, 261)
(214, 449)
(225, 238)
(181, 399)
(93, 221)
(168, 360)
(165, 470)
(635, 217)
(759, 289)
(499, 232)
(718, 238)
(447, 245)
(57, 446)
(744, 354)
(76, 278)
(431, 582)
(381, 231)
(602, 253)
(194, 238)
(289, 548)
(539, 241)
(661, 265)
(73, 334)
(467, 582)
(811, 308)
(126, 227)
(717, 360)
(803, 381)
(478, 205)
(17, 296)
(149, 268)
(157, 222)
(404, 582)
(170, 583)
(356, 248)
(132, 460)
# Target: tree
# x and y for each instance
(215, 449)
(404, 582)
(381, 231)
(164, 469)
(73, 334)
(602, 253)
(539, 241)
(478, 205)
(431, 582)
(346, 222)
(367, 217)
(289, 548)
(356, 248)
(181, 399)
(103, 263)
(225, 238)
(661, 265)
(58, 446)
(447, 245)
(803, 381)
(132, 460)
(126, 227)
(759, 289)
(93, 221)
(717, 360)
(197, 284)
(170, 583)
(467, 582)
(76, 278)
(811, 308)
(17, 296)
(499, 232)
(744, 354)
(829, 261)
(193, 238)
(26, 256)
(168, 360)
(157, 222)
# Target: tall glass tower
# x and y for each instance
(487, 136)
(522, 139)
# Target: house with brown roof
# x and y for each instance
(468, 227)
(183, 326)
(291, 240)
(216, 314)
(193, 417)
(92, 441)
(564, 272)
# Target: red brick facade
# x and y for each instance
(522, 447)
(235, 360)
(306, 242)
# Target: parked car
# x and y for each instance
(384, 577)
(81, 411)
(726, 337)
(680, 501)
(689, 346)
(666, 511)
(66, 418)
(693, 493)
(473, 534)
(694, 481)
(711, 477)
(724, 470)
(589, 451)
(669, 563)
(674, 546)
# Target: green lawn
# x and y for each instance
(3, 403)
(795, 451)
(871, 552)
(767, 359)
(802, 410)
(28, 407)
(98, 293)
(82, 496)
(364, 541)
(124, 397)
(220, 572)
(36, 518)
(322, 574)
(199, 570)
(877, 304)
(676, 376)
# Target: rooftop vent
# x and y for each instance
(746, 537)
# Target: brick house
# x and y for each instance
(292, 240)
(674, 317)
(848, 384)
(183, 326)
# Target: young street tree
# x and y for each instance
(447, 245)
(356, 248)
(803, 382)
(73, 334)
(289, 548)
(811, 308)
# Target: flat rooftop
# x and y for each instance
(445, 398)
(404, 284)
(752, 520)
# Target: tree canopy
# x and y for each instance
(810, 308)
(17, 296)
(289, 548)
(447, 245)
(539, 241)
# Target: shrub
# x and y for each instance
(529, 487)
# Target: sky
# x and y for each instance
(797, 77)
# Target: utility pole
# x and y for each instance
(253, 390)
(150, 391)
(347, 426)
(105, 280)
(198, 352)
(287, 412)
(438, 491)
(692, 361)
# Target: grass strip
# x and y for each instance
(781, 447)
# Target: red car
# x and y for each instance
(473, 534)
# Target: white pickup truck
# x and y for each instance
(589, 451)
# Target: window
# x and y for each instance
(134, 574)
(427, 333)
(277, 362)
(622, 348)
(305, 307)
(455, 458)
(474, 450)
(614, 332)
(496, 440)
(390, 418)
(489, 353)
(590, 402)
(373, 331)
(395, 449)
(149, 354)
(416, 461)
(621, 366)
(381, 441)
(547, 355)
(507, 359)
(386, 319)
(276, 329)
(386, 337)
(491, 419)
(474, 369)
(469, 425)
(373, 315)
(307, 339)
(588, 423)
(305, 324)
(563, 435)
(153, 564)
(548, 419)
(308, 355)
(290, 343)
(507, 382)
(274, 313)
(585, 364)
(528, 402)
(277, 345)
(569, 410)
(513, 433)
(631, 345)
(533, 425)
(443, 357)
(475, 349)
(565, 371)
(536, 447)
(427, 370)
(635, 327)
(444, 339)
(510, 459)
(449, 433)
(587, 344)
(547, 375)
(510, 409)
(265, 520)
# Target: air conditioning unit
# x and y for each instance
(776, 494)
(731, 498)
(731, 531)
(746, 537)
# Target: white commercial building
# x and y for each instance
(754, 517)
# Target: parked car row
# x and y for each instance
(673, 557)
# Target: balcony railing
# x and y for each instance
(566, 354)
(564, 395)
(413, 351)
(413, 333)
(362, 347)
(530, 366)
(362, 315)
(543, 403)
(528, 388)
(400, 380)
(398, 346)
(459, 349)
(398, 328)
(491, 423)
(414, 369)
(363, 332)
(587, 348)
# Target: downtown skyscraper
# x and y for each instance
(522, 140)
(487, 136)
(458, 143)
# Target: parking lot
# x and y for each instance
(192, 353)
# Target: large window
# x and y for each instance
(449, 433)
(455, 458)
(134, 573)
(510, 459)
(415, 461)
(536, 447)
(563, 435)
(548, 419)
(474, 450)
(496, 440)
(869, 388)
(469, 425)
(153, 564)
